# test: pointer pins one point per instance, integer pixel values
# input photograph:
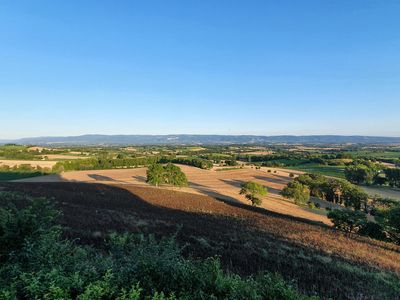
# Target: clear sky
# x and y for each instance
(206, 67)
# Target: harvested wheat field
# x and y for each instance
(220, 184)
(319, 259)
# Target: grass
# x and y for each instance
(333, 171)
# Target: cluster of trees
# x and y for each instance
(16, 152)
(190, 161)
(385, 227)
(112, 163)
(367, 172)
(253, 192)
(353, 218)
(393, 177)
(37, 263)
(166, 174)
(334, 190)
(363, 172)
(288, 158)
(103, 163)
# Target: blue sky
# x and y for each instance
(206, 67)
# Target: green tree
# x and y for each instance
(393, 177)
(391, 223)
(155, 174)
(300, 193)
(355, 197)
(253, 192)
(169, 174)
(347, 220)
(173, 175)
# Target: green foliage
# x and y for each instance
(391, 222)
(300, 193)
(339, 191)
(393, 177)
(155, 174)
(41, 265)
(104, 163)
(253, 192)
(190, 161)
(168, 174)
(347, 220)
(362, 172)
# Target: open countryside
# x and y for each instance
(200, 150)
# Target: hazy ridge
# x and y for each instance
(192, 139)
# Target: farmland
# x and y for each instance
(248, 240)
(223, 184)
(210, 216)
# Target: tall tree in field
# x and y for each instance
(173, 175)
(169, 174)
(155, 174)
(253, 192)
(300, 193)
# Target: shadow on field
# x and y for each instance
(140, 178)
(212, 193)
(248, 239)
(271, 179)
(101, 177)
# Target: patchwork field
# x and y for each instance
(223, 185)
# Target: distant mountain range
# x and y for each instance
(189, 139)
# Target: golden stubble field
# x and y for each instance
(220, 184)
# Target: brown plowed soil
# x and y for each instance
(248, 239)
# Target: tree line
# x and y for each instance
(113, 163)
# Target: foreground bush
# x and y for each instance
(37, 264)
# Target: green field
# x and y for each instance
(376, 154)
(334, 171)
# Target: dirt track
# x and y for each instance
(220, 184)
